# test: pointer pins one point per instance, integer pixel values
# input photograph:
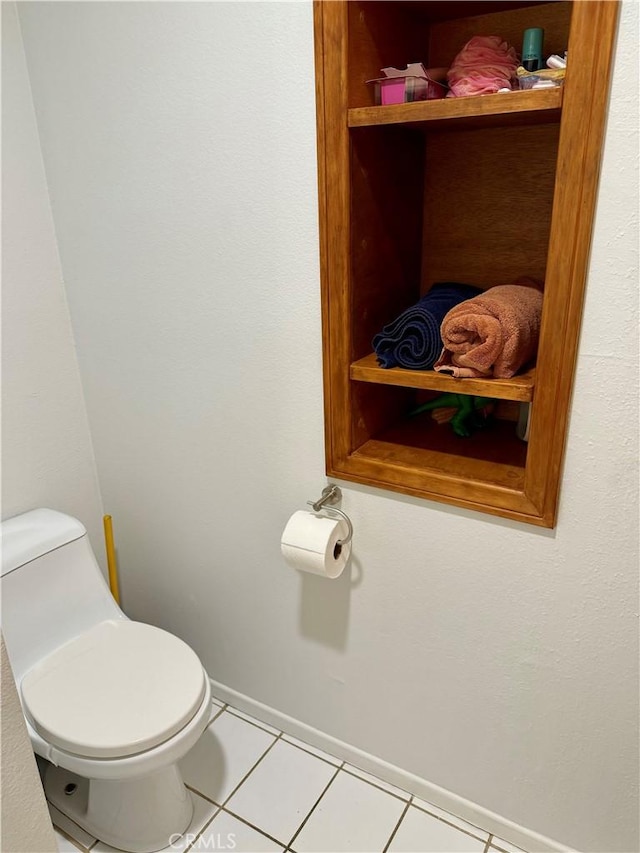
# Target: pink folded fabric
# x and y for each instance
(484, 65)
(493, 334)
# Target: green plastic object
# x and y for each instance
(472, 414)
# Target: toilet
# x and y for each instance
(111, 704)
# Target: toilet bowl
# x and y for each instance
(111, 704)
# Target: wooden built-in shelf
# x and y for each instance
(492, 456)
(481, 189)
(507, 109)
(518, 388)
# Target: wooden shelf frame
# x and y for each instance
(515, 108)
(526, 493)
(518, 388)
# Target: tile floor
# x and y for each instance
(257, 790)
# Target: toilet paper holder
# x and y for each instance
(332, 494)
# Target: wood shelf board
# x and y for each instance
(526, 107)
(468, 472)
(432, 485)
(493, 455)
(441, 10)
(519, 388)
(430, 459)
(454, 477)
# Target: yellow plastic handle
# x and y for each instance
(111, 558)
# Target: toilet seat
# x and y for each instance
(120, 688)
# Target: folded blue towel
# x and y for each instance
(413, 339)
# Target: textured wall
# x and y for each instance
(497, 660)
(25, 820)
(47, 455)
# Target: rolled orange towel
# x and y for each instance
(493, 334)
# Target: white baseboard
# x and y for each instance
(494, 823)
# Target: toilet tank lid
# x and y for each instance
(26, 537)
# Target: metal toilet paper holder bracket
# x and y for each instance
(331, 494)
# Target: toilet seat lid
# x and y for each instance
(118, 689)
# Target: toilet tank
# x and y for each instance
(52, 587)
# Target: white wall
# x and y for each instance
(47, 455)
(494, 659)
(25, 820)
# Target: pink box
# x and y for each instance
(414, 83)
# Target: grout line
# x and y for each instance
(488, 844)
(242, 781)
(379, 787)
(255, 723)
(206, 824)
(397, 827)
(200, 794)
(308, 751)
(501, 849)
(246, 776)
(455, 826)
(313, 807)
(459, 828)
(253, 826)
(214, 718)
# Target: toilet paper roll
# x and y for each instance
(310, 544)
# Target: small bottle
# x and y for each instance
(532, 41)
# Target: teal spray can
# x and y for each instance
(532, 41)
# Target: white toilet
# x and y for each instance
(111, 704)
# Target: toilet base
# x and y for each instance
(139, 815)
